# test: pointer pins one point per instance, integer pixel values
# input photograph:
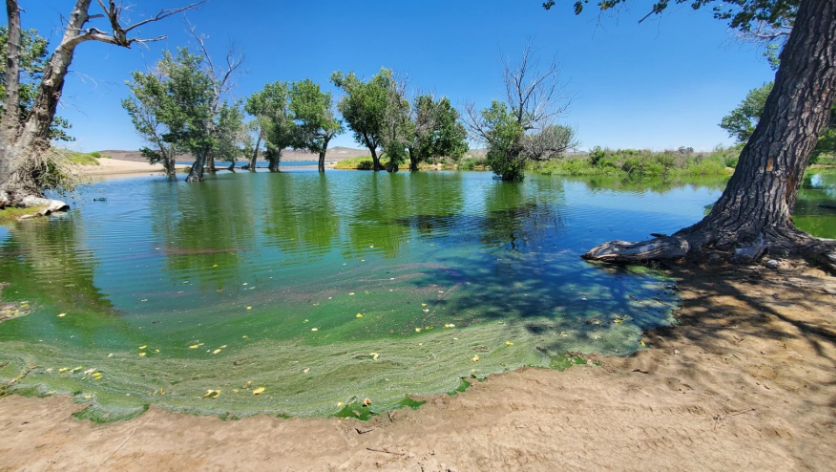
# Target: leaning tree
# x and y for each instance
(24, 143)
(753, 215)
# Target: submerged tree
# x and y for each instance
(276, 128)
(24, 143)
(178, 109)
(313, 111)
(367, 107)
(753, 215)
(437, 131)
(523, 128)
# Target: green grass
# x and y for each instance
(13, 213)
(82, 159)
(642, 163)
(359, 163)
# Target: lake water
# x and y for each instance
(328, 289)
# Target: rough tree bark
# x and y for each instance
(753, 215)
(23, 144)
(322, 152)
(254, 157)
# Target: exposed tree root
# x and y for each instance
(694, 243)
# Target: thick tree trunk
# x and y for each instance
(210, 163)
(11, 118)
(322, 153)
(254, 157)
(413, 160)
(170, 165)
(274, 158)
(375, 159)
(196, 172)
(752, 216)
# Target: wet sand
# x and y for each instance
(746, 381)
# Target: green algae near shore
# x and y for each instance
(327, 292)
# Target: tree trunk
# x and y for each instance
(210, 163)
(11, 118)
(322, 153)
(196, 172)
(752, 216)
(22, 146)
(375, 159)
(274, 158)
(170, 165)
(413, 160)
(254, 157)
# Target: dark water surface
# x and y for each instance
(327, 289)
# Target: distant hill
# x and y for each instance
(337, 153)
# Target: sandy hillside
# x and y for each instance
(746, 382)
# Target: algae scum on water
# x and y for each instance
(298, 294)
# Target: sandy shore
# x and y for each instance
(120, 167)
(747, 381)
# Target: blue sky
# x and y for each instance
(662, 84)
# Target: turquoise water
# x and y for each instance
(325, 289)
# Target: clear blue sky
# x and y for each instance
(662, 84)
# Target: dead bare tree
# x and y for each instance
(23, 145)
(525, 126)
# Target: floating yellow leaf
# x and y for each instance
(62, 315)
(417, 330)
(351, 294)
(97, 375)
(476, 358)
(428, 327)
(142, 354)
(89, 371)
(63, 370)
(144, 300)
(76, 369)
(305, 321)
(234, 390)
(362, 260)
(110, 355)
(258, 391)
(449, 325)
(509, 343)
(359, 315)
(247, 384)
(306, 370)
(216, 265)
(245, 283)
(642, 343)
(194, 346)
(223, 347)
(216, 351)
(157, 351)
(314, 329)
(375, 356)
(423, 304)
(143, 347)
(245, 337)
(213, 394)
(340, 403)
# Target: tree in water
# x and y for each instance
(436, 131)
(24, 144)
(276, 128)
(753, 215)
(524, 127)
(178, 109)
(368, 108)
(313, 111)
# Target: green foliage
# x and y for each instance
(741, 122)
(33, 57)
(435, 131)
(472, 163)
(313, 113)
(271, 107)
(359, 163)
(174, 109)
(741, 14)
(504, 133)
(366, 106)
(642, 163)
